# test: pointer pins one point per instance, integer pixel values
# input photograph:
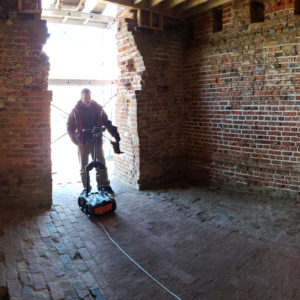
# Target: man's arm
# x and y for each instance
(71, 127)
(113, 130)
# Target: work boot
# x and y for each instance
(86, 190)
(108, 190)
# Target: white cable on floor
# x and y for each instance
(138, 265)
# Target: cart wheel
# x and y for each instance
(83, 204)
(114, 205)
(85, 208)
(80, 202)
(90, 210)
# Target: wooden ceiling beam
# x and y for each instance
(172, 3)
(205, 7)
(155, 2)
(147, 4)
(123, 3)
(54, 4)
(130, 4)
(214, 3)
(192, 3)
(62, 14)
(80, 5)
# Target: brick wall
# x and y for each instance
(243, 96)
(25, 161)
(150, 106)
(127, 165)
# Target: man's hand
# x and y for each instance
(116, 147)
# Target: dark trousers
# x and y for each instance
(84, 151)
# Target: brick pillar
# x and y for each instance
(150, 105)
(25, 158)
(131, 66)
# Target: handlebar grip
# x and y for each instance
(94, 130)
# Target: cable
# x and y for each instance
(59, 109)
(69, 114)
(58, 138)
(109, 100)
(67, 133)
(137, 264)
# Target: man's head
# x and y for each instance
(86, 97)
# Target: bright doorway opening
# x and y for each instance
(80, 57)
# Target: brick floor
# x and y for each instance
(199, 243)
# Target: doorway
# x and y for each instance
(80, 57)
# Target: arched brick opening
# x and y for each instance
(131, 67)
(150, 105)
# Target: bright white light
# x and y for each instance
(80, 52)
(110, 10)
(89, 5)
(47, 3)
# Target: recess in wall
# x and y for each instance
(218, 19)
(297, 7)
(257, 11)
(149, 19)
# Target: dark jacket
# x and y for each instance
(83, 117)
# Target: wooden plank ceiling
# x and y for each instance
(77, 12)
(173, 8)
(179, 9)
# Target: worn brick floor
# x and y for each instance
(199, 243)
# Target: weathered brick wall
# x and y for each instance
(25, 161)
(130, 62)
(243, 96)
(150, 106)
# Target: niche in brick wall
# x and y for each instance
(218, 19)
(149, 19)
(257, 11)
(297, 7)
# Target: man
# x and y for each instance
(85, 115)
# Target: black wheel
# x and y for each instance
(89, 210)
(114, 205)
(81, 203)
(85, 208)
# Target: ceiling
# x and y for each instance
(174, 8)
(79, 12)
(102, 13)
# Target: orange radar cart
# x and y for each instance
(97, 203)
